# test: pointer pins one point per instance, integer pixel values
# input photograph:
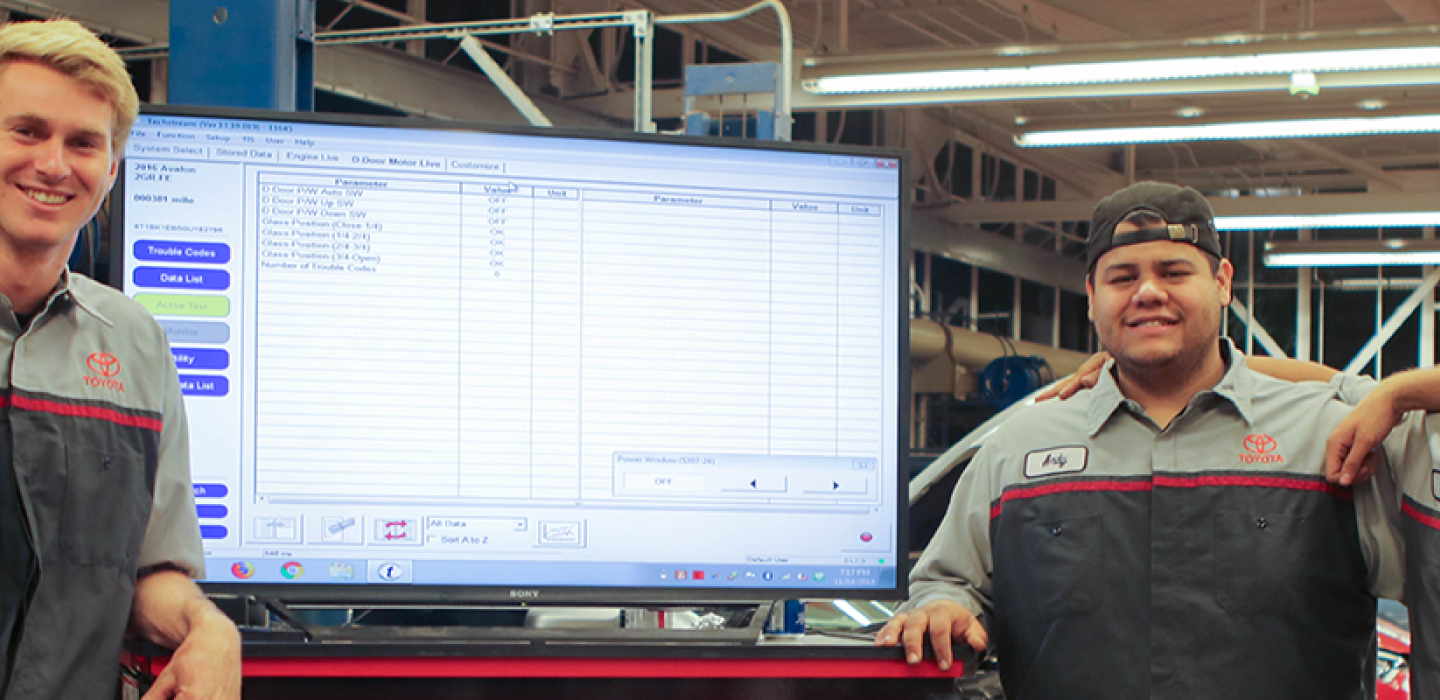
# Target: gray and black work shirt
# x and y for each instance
(1111, 558)
(95, 486)
(1414, 447)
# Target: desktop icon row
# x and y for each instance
(751, 576)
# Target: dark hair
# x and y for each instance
(1183, 213)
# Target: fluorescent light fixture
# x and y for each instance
(1372, 284)
(1352, 253)
(1123, 72)
(1277, 222)
(1282, 129)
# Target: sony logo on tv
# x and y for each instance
(524, 593)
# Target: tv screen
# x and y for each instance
(432, 361)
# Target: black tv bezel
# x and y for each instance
(371, 594)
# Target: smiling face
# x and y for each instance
(56, 162)
(1157, 305)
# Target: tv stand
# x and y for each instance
(267, 621)
(455, 661)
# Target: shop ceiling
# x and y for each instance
(862, 32)
(856, 29)
(876, 31)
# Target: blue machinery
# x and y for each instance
(261, 53)
(732, 79)
(1013, 377)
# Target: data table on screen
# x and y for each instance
(767, 309)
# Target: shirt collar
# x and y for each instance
(65, 288)
(1236, 386)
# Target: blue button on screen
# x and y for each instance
(177, 251)
(182, 278)
(200, 358)
(211, 490)
(204, 385)
(211, 511)
(213, 532)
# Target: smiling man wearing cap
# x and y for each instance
(1169, 534)
(1157, 305)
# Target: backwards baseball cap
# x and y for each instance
(1186, 215)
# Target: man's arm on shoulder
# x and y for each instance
(170, 610)
(1290, 370)
(1085, 377)
(1350, 455)
(1381, 409)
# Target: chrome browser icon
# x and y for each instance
(291, 569)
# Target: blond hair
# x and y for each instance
(75, 51)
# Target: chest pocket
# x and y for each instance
(1060, 566)
(1260, 559)
(107, 505)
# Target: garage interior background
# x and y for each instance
(998, 228)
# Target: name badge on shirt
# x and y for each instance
(1060, 460)
(1435, 483)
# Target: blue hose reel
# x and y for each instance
(1011, 378)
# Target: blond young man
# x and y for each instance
(98, 534)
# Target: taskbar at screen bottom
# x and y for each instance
(441, 572)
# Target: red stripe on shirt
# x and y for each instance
(96, 412)
(1066, 487)
(1425, 519)
(1191, 482)
(1267, 482)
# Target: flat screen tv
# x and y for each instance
(430, 361)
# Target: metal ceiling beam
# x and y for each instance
(472, 48)
(455, 30)
(1305, 175)
(1077, 174)
(423, 87)
(1210, 179)
(943, 27)
(379, 9)
(1061, 24)
(936, 231)
(1358, 167)
(1257, 331)
(921, 31)
(140, 21)
(725, 36)
(1392, 324)
(665, 103)
(1416, 10)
